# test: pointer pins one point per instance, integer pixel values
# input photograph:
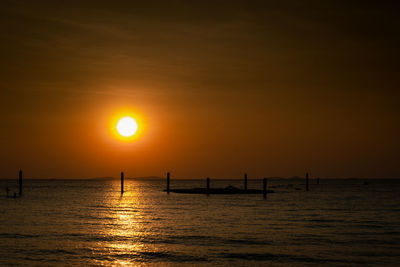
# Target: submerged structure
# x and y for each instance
(229, 190)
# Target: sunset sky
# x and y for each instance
(271, 88)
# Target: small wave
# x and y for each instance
(16, 235)
(204, 240)
(376, 254)
(324, 221)
(282, 258)
(149, 256)
(97, 218)
(248, 242)
(56, 251)
(171, 257)
(360, 234)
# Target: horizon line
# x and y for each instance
(214, 178)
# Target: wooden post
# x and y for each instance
(318, 181)
(20, 182)
(307, 182)
(208, 186)
(122, 183)
(265, 188)
(167, 182)
(245, 182)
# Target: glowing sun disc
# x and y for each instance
(127, 126)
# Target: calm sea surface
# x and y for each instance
(87, 222)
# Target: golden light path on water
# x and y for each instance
(125, 230)
(89, 223)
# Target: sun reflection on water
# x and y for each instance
(125, 231)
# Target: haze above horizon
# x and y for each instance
(217, 88)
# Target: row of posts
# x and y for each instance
(168, 183)
(208, 183)
(245, 183)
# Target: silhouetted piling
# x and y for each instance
(208, 186)
(245, 182)
(265, 187)
(168, 182)
(307, 182)
(20, 182)
(318, 181)
(122, 183)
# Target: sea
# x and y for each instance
(340, 222)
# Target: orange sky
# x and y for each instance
(223, 88)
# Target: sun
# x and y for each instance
(127, 126)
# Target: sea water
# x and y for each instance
(347, 222)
